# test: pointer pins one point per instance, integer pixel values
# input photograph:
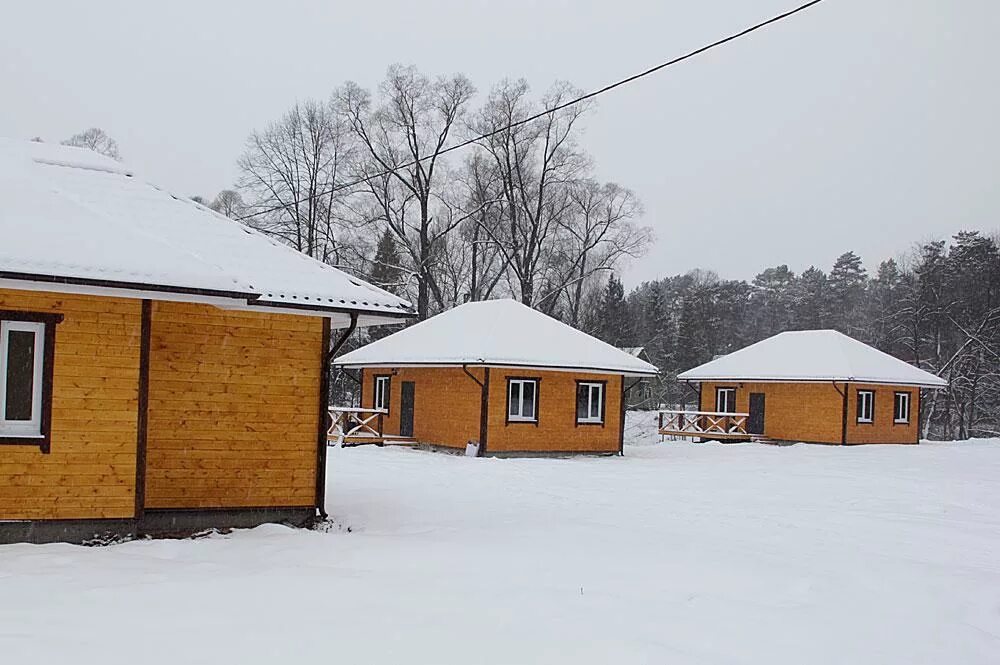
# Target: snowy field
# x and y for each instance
(676, 553)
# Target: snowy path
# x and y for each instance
(676, 553)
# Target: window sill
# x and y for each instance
(900, 422)
(866, 422)
(590, 422)
(35, 441)
(526, 421)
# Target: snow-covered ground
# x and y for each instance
(676, 553)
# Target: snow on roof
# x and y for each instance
(635, 351)
(72, 214)
(496, 332)
(812, 355)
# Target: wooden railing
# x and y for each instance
(704, 424)
(354, 426)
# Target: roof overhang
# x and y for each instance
(234, 300)
(864, 380)
(500, 365)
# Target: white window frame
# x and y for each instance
(380, 401)
(592, 387)
(905, 420)
(870, 402)
(28, 429)
(719, 408)
(515, 405)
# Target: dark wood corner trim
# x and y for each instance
(142, 418)
(484, 413)
(843, 425)
(324, 419)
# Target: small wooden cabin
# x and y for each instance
(500, 374)
(163, 369)
(814, 386)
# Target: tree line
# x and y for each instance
(938, 308)
(363, 180)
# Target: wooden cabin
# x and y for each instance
(163, 369)
(501, 375)
(814, 386)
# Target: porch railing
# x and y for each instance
(354, 425)
(704, 424)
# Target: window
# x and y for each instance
(866, 406)
(901, 408)
(725, 400)
(27, 342)
(381, 400)
(590, 402)
(522, 400)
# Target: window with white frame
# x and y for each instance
(590, 402)
(381, 400)
(901, 408)
(522, 400)
(866, 406)
(22, 365)
(725, 400)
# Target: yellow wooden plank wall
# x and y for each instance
(446, 403)
(883, 429)
(556, 430)
(90, 472)
(233, 408)
(814, 412)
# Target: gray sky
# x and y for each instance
(860, 124)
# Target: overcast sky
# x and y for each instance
(861, 124)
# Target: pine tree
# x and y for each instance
(810, 300)
(612, 318)
(386, 272)
(847, 283)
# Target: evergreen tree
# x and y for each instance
(847, 283)
(810, 300)
(612, 317)
(386, 272)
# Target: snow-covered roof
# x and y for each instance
(497, 333)
(71, 216)
(635, 351)
(812, 355)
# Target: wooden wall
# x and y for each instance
(447, 410)
(883, 429)
(556, 430)
(90, 472)
(233, 408)
(813, 412)
(446, 403)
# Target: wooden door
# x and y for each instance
(755, 423)
(406, 409)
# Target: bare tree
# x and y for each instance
(290, 177)
(535, 163)
(596, 236)
(228, 202)
(97, 140)
(401, 138)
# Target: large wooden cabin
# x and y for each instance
(501, 375)
(814, 386)
(162, 369)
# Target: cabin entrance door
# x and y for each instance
(755, 423)
(406, 410)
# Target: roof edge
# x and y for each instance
(478, 363)
(839, 379)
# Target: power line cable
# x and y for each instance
(548, 111)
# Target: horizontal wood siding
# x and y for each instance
(232, 408)
(813, 412)
(792, 411)
(90, 472)
(446, 403)
(883, 429)
(556, 430)
(447, 407)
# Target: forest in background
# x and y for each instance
(366, 181)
